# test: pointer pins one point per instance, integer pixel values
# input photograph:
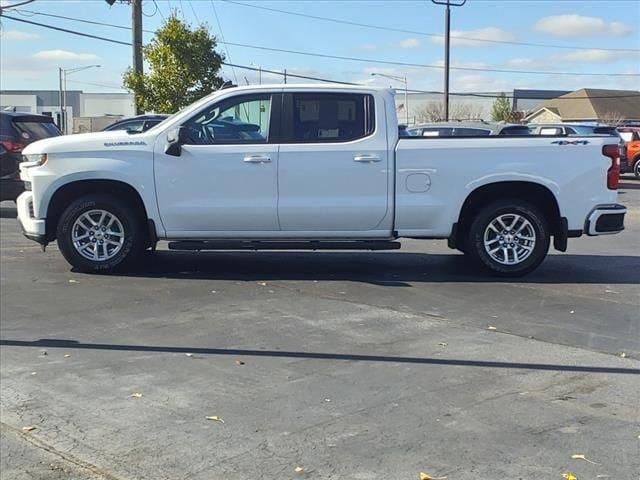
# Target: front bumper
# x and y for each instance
(32, 228)
(605, 220)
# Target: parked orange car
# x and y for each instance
(631, 136)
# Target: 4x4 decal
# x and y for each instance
(571, 142)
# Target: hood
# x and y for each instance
(87, 141)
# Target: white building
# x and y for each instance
(79, 104)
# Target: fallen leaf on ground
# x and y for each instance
(189, 354)
(569, 476)
(239, 362)
(28, 429)
(33, 373)
(426, 476)
(327, 399)
(580, 456)
(623, 355)
(491, 327)
(299, 469)
(443, 344)
(264, 284)
(215, 418)
(73, 281)
(136, 395)
(572, 311)
(67, 355)
(43, 352)
(213, 291)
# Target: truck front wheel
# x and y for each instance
(508, 238)
(99, 233)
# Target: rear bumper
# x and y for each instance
(32, 228)
(605, 220)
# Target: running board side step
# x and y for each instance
(280, 245)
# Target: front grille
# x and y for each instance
(612, 222)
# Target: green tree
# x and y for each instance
(183, 66)
(501, 109)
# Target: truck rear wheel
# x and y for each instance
(508, 238)
(100, 233)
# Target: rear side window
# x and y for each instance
(550, 131)
(516, 130)
(470, 132)
(437, 132)
(327, 117)
(32, 131)
(132, 126)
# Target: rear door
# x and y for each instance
(333, 165)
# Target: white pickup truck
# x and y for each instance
(313, 167)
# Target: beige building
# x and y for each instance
(589, 105)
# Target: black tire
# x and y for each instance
(131, 221)
(476, 238)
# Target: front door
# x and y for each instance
(225, 180)
(333, 166)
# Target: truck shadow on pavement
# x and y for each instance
(385, 269)
(74, 344)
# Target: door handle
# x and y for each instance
(367, 158)
(257, 159)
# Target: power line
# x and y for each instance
(290, 74)
(6, 7)
(215, 12)
(421, 65)
(426, 34)
(347, 58)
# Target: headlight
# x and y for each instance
(36, 159)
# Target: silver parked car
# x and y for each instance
(467, 129)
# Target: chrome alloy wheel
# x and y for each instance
(509, 239)
(97, 235)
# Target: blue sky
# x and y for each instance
(30, 55)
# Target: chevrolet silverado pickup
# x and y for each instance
(313, 167)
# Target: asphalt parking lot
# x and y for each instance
(341, 365)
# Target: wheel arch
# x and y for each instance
(68, 192)
(535, 193)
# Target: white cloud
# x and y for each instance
(580, 26)
(488, 33)
(592, 56)
(63, 55)
(410, 43)
(18, 35)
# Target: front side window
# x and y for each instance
(235, 120)
(330, 117)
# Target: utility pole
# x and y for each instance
(136, 39)
(447, 25)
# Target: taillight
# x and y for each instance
(613, 174)
(12, 146)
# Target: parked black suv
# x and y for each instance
(17, 130)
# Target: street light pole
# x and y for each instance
(63, 90)
(402, 79)
(61, 114)
(447, 25)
